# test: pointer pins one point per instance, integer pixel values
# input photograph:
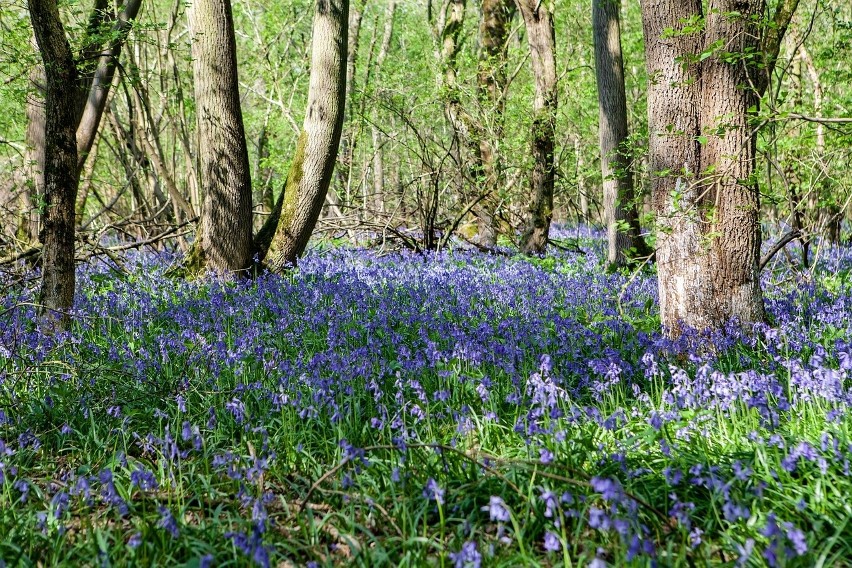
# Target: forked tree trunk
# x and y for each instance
(491, 82)
(702, 150)
(625, 242)
(60, 166)
(224, 238)
(540, 36)
(313, 163)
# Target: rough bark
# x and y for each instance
(541, 40)
(730, 195)
(224, 240)
(60, 168)
(491, 83)
(624, 238)
(701, 97)
(313, 163)
(673, 124)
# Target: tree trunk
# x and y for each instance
(582, 188)
(702, 150)
(673, 124)
(313, 163)
(540, 36)
(466, 131)
(378, 150)
(731, 198)
(622, 220)
(34, 156)
(101, 82)
(348, 136)
(491, 82)
(224, 241)
(60, 166)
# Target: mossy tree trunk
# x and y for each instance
(491, 83)
(301, 201)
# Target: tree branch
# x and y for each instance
(782, 242)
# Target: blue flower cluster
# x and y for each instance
(377, 383)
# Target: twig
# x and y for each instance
(820, 119)
(566, 248)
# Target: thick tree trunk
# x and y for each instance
(313, 163)
(491, 82)
(702, 150)
(224, 241)
(730, 196)
(622, 220)
(540, 36)
(60, 167)
(673, 97)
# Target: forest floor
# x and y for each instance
(444, 410)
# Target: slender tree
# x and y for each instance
(60, 164)
(34, 156)
(491, 83)
(224, 238)
(378, 150)
(299, 205)
(622, 219)
(540, 36)
(97, 87)
(706, 81)
(466, 130)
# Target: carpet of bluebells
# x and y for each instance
(457, 409)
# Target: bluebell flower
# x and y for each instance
(467, 557)
(551, 542)
(433, 491)
(168, 522)
(497, 510)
